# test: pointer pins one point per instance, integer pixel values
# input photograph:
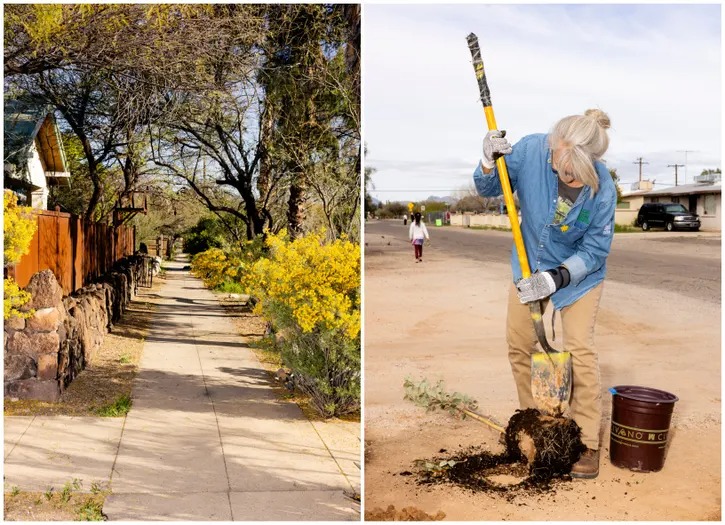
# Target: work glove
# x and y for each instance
(494, 145)
(542, 284)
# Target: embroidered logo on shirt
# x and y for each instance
(583, 216)
(564, 228)
(607, 229)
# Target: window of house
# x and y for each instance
(709, 205)
(676, 200)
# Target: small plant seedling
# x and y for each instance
(16, 490)
(433, 397)
(96, 487)
(65, 494)
(49, 493)
(118, 408)
(90, 511)
(124, 359)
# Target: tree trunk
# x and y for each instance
(295, 206)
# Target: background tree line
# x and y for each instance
(248, 114)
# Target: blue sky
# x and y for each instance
(655, 69)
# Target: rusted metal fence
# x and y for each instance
(145, 272)
(77, 251)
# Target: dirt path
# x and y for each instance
(445, 318)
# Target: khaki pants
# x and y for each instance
(578, 322)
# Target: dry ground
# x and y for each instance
(445, 318)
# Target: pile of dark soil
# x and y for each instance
(539, 450)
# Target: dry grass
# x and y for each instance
(109, 376)
(66, 503)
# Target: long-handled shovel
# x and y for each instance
(550, 369)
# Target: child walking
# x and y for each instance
(417, 233)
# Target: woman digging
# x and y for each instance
(567, 198)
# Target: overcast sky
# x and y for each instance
(655, 69)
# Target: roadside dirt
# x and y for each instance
(444, 319)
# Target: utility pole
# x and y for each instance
(676, 166)
(640, 162)
(686, 151)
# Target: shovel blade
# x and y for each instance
(551, 381)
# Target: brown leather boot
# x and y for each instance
(588, 465)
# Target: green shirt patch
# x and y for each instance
(583, 217)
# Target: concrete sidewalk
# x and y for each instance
(206, 438)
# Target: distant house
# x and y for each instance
(34, 159)
(703, 197)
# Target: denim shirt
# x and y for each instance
(581, 242)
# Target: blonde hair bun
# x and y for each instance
(599, 116)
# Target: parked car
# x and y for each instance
(667, 215)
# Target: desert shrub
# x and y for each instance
(214, 267)
(310, 290)
(14, 299)
(327, 367)
(18, 230)
(223, 269)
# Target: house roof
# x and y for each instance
(685, 189)
(24, 123)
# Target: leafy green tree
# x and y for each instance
(205, 234)
(615, 178)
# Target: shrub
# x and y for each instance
(14, 299)
(214, 267)
(310, 290)
(317, 283)
(18, 229)
(327, 367)
(222, 270)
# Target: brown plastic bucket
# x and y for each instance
(640, 427)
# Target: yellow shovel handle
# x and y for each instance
(508, 199)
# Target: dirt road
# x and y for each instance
(659, 326)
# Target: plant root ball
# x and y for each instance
(550, 445)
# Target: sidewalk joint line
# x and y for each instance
(339, 467)
(118, 448)
(19, 438)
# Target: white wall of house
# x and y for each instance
(36, 168)
(709, 208)
(500, 221)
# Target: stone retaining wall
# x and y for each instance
(45, 352)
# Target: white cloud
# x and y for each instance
(654, 68)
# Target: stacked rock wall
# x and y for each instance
(45, 352)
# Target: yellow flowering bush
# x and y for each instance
(217, 267)
(14, 299)
(310, 290)
(18, 227)
(214, 267)
(18, 230)
(317, 282)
